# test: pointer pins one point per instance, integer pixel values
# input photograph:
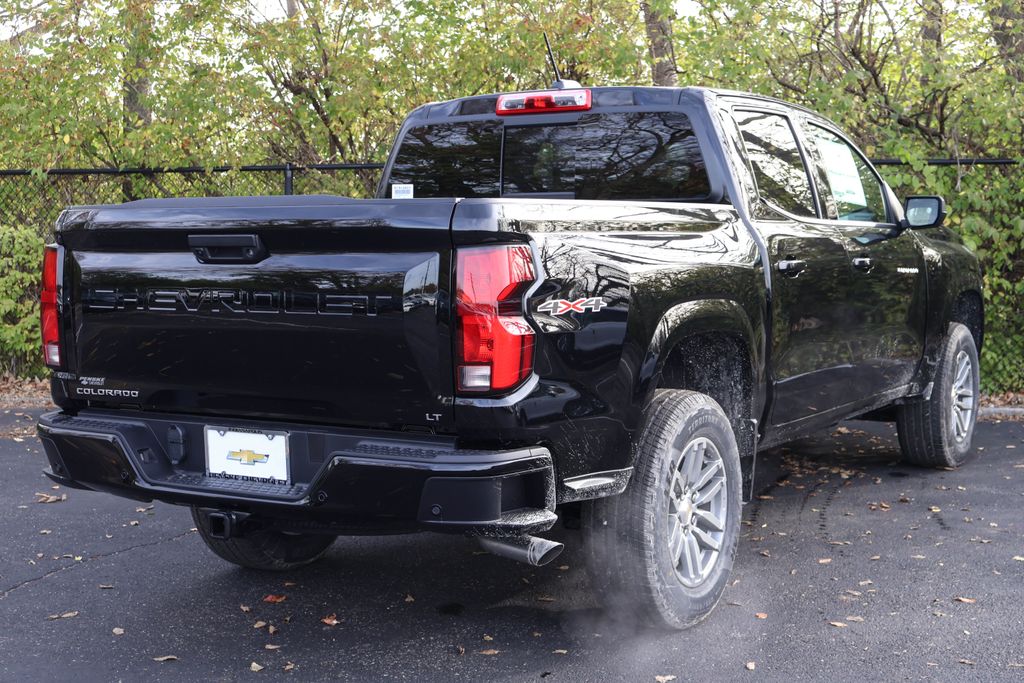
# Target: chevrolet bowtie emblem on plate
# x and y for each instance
(247, 457)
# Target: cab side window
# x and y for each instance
(850, 189)
(775, 159)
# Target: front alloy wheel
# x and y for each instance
(937, 431)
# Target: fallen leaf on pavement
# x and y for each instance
(969, 601)
(64, 615)
(106, 586)
(255, 668)
(269, 646)
(855, 619)
(825, 560)
(838, 624)
(1019, 558)
(245, 608)
(274, 599)
(289, 666)
(966, 661)
(488, 638)
(409, 598)
(489, 652)
(751, 666)
(166, 658)
(330, 620)
(47, 498)
(559, 652)
(271, 629)
(259, 624)
(664, 679)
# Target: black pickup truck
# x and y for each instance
(594, 303)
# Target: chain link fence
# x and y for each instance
(37, 198)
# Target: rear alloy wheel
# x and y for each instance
(662, 550)
(697, 503)
(938, 432)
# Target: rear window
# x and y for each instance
(635, 155)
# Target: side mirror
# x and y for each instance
(925, 212)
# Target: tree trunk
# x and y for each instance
(1007, 19)
(138, 24)
(138, 18)
(659, 40)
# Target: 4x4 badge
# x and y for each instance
(563, 306)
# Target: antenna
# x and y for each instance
(551, 58)
(559, 84)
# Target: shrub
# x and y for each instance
(21, 256)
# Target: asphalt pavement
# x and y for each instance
(852, 566)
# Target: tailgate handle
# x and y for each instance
(227, 248)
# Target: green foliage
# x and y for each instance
(910, 79)
(21, 254)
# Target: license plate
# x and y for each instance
(247, 455)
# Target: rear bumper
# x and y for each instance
(343, 481)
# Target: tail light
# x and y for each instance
(548, 101)
(48, 320)
(494, 341)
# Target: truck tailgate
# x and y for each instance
(337, 315)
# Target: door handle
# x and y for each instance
(791, 267)
(227, 248)
(862, 263)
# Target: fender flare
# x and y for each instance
(702, 316)
(688, 319)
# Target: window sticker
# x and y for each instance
(401, 191)
(841, 168)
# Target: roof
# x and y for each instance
(640, 95)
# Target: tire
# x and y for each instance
(264, 549)
(630, 538)
(938, 432)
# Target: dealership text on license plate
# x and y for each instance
(247, 455)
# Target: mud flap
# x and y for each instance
(746, 441)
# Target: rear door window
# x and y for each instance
(775, 159)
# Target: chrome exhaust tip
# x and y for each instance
(530, 550)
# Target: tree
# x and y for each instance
(658, 26)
